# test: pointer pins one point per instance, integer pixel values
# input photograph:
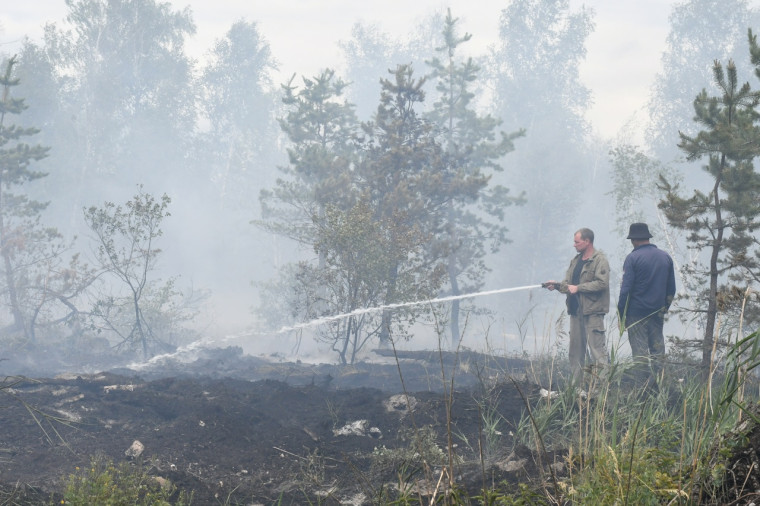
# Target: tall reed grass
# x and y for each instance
(627, 444)
(621, 443)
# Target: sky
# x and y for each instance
(623, 57)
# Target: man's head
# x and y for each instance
(583, 240)
(639, 234)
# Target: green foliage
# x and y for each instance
(358, 254)
(126, 248)
(321, 127)
(125, 484)
(377, 208)
(169, 309)
(40, 286)
(402, 176)
(743, 357)
(494, 425)
(629, 446)
(472, 227)
(722, 219)
(16, 156)
(19, 215)
(526, 495)
(652, 478)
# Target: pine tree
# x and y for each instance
(722, 221)
(414, 182)
(473, 146)
(19, 215)
(374, 204)
(322, 128)
(313, 203)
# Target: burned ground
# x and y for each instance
(235, 429)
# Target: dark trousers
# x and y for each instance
(647, 347)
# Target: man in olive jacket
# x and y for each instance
(587, 286)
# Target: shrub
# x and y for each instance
(126, 484)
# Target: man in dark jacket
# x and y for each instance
(587, 286)
(649, 284)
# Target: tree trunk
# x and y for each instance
(346, 339)
(454, 324)
(385, 329)
(18, 315)
(10, 280)
(138, 325)
(712, 306)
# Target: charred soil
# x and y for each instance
(235, 429)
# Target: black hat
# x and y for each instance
(639, 231)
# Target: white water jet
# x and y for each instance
(189, 349)
(356, 312)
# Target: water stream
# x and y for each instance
(205, 342)
(377, 309)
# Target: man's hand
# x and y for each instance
(551, 285)
(572, 288)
